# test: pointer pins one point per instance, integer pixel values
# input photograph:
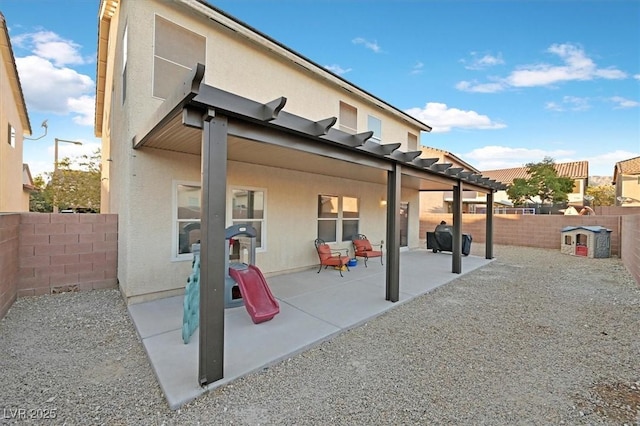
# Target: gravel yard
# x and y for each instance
(535, 337)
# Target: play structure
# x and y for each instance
(244, 282)
(252, 289)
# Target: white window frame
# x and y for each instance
(376, 137)
(263, 221)
(175, 256)
(12, 136)
(339, 219)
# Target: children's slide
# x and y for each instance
(260, 303)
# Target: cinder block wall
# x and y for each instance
(631, 244)
(9, 242)
(67, 252)
(525, 230)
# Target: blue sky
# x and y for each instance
(503, 83)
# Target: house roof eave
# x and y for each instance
(181, 115)
(6, 54)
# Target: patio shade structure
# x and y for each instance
(217, 125)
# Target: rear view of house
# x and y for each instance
(317, 165)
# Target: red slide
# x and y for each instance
(258, 300)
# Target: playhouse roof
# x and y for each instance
(593, 228)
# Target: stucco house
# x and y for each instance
(442, 201)
(576, 170)
(206, 123)
(15, 179)
(626, 178)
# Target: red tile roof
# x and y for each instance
(574, 170)
(630, 166)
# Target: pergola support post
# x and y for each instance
(488, 249)
(212, 249)
(393, 234)
(456, 258)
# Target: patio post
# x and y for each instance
(456, 258)
(488, 249)
(393, 234)
(212, 249)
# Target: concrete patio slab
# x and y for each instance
(314, 307)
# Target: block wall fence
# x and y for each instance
(42, 253)
(544, 231)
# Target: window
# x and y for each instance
(124, 63)
(187, 209)
(176, 51)
(348, 118)
(338, 217)
(12, 136)
(375, 125)
(412, 142)
(248, 206)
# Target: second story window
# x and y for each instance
(374, 124)
(12, 136)
(348, 118)
(176, 50)
(412, 142)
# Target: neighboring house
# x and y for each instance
(442, 201)
(626, 178)
(206, 123)
(15, 185)
(576, 170)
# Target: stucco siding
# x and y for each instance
(11, 194)
(290, 227)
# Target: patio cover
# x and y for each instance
(203, 120)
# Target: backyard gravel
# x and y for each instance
(534, 338)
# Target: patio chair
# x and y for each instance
(330, 257)
(362, 248)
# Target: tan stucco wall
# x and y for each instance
(138, 184)
(11, 193)
(631, 189)
(291, 219)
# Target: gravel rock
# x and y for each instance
(535, 337)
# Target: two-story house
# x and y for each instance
(289, 192)
(206, 123)
(626, 178)
(15, 179)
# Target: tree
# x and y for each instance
(603, 195)
(40, 200)
(77, 188)
(543, 183)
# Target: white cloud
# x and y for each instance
(371, 45)
(48, 88)
(504, 157)
(474, 87)
(417, 68)
(84, 107)
(623, 102)
(576, 66)
(603, 164)
(637, 76)
(569, 103)
(482, 62)
(444, 119)
(337, 69)
(49, 45)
